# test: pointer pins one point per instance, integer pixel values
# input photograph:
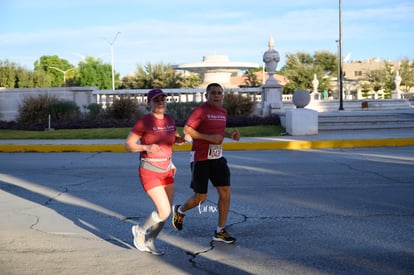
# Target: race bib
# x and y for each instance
(214, 151)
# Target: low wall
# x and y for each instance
(11, 99)
(359, 105)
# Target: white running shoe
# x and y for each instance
(153, 249)
(139, 239)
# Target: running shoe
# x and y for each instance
(153, 249)
(139, 239)
(223, 236)
(177, 218)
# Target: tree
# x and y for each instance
(93, 72)
(149, 76)
(301, 67)
(381, 79)
(15, 76)
(24, 78)
(406, 71)
(251, 77)
(7, 74)
(191, 81)
(375, 79)
(59, 70)
(41, 79)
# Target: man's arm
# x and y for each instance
(215, 139)
(235, 135)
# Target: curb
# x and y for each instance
(233, 146)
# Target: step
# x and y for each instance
(363, 127)
(369, 120)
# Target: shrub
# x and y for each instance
(97, 118)
(236, 104)
(180, 111)
(63, 110)
(35, 109)
(125, 108)
(95, 111)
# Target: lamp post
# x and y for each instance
(341, 88)
(111, 44)
(62, 71)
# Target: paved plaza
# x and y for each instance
(308, 211)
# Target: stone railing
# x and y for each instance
(11, 99)
(409, 96)
(106, 97)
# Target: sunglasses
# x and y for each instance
(159, 99)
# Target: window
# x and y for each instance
(357, 73)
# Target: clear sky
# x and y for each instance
(183, 31)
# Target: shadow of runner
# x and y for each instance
(101, 222)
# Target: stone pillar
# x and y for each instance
(301, 121)
(272, 90)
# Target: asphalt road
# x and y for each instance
(320, 211)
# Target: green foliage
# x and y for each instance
(59, 70)
(328, 62)
(35, 109)
(180, 110)
(251, 78)
(15, 76)
(301, 67)
(24, 79)
(236, 104)
(93, 72)
(383, 79)
(95, 111)
(150, 76)
(365, 90)
(40, 79)
(406, 71)
(7, 74)
(125, 107)
(192, 80)
(376, 79)
(63, 110)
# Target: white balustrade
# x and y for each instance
(106, 97)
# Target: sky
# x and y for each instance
(184, 31)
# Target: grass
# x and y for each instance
(121, 133)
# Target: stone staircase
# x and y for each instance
(366, 120)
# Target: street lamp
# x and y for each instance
(112, 57)
(341, 100)
(62, 71)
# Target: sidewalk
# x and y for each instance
(325, 139)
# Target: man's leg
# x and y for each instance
(193, 201)
(223, 204)
(220, 234)
(178, 210)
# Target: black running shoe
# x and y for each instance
(223, 236)
(177, 218)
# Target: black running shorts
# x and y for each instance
(215, 170)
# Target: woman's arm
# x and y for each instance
(131, 144)
(180, 140)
